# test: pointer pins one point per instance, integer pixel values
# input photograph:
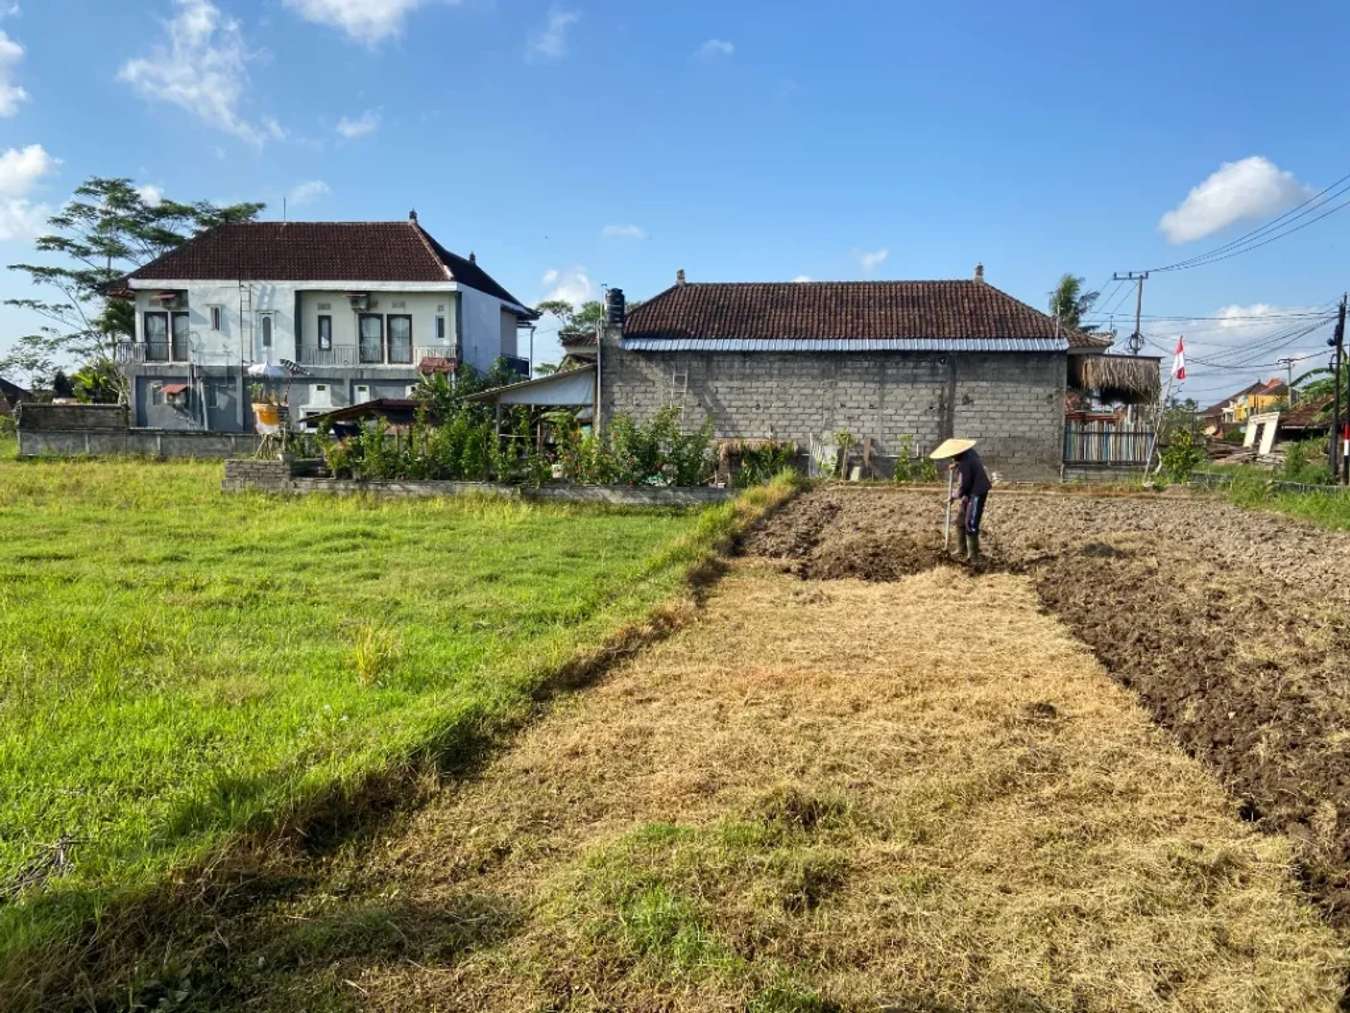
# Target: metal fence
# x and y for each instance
(1106, 444)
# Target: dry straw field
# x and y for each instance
(859, 781)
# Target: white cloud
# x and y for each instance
(550, 42)
(572, 284)
(20, 171)
(203, 69)
(623, 232)
(870, 260)
(11, 95)
(368, 21)
(1254, 187)
(367, 123)
(801, 278)
(308, 192)
(151, 194)
(716, 48)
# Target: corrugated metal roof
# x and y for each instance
(846, 345)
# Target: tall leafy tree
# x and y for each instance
(573, 319)
(105, 231)
(1071, 303)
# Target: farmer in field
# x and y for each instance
(971, 493)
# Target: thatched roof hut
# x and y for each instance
(1129, 379)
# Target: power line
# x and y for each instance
(1261, 349)
(1270, 231)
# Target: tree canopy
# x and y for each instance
(1070, 303)
(105, 231)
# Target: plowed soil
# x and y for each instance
(1229, 625)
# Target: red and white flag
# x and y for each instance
(1179, 360)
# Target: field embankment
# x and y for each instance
(178, 668)
(919, 794)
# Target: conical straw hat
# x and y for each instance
(950, 448)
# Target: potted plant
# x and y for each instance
(265, 406)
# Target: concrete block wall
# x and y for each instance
(38, 417)
(255, 473)
(1013, 403)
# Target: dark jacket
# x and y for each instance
(974, 479)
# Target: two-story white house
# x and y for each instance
(363, 307)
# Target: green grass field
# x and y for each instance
(177, 666)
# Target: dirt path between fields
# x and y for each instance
(912, 794)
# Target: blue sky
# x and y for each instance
(584, 143)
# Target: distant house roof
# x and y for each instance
(318, 251)
(1218, 407)
(12, 392)
(398, 411)
(807, 316)
(1311, 414)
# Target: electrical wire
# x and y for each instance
(1272, 230)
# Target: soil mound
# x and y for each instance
(865, 556)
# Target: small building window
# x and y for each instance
(267, 332)
(217, 318)
(182, 338)
(371, 338)
(325, 332)
(440, 328)
(156, 393)
(400, 338)
(157, 337)
(362, 393)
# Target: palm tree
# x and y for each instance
(1070, 303)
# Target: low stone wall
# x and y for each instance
(165, 443)
(288, 477)
(44, 417)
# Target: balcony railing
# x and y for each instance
(146, 351)
(338, 355)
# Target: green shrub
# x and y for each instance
(1181, 455)
(909, 468)
(761, 463)
(1306, 461)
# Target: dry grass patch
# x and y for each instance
(921, 795)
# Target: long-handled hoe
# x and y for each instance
(947, 524)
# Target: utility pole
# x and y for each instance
(1136, 342)
(1338, 341)
(1288, 364)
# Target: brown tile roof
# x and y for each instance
(318, 251)
(577, 339)
(1311, 414)
(845, 310)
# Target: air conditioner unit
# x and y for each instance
(359, 300)
(170, 300)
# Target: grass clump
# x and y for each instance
(686, 908)
(1255, 490)
(178, 667)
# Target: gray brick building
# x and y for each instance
(882, 360)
